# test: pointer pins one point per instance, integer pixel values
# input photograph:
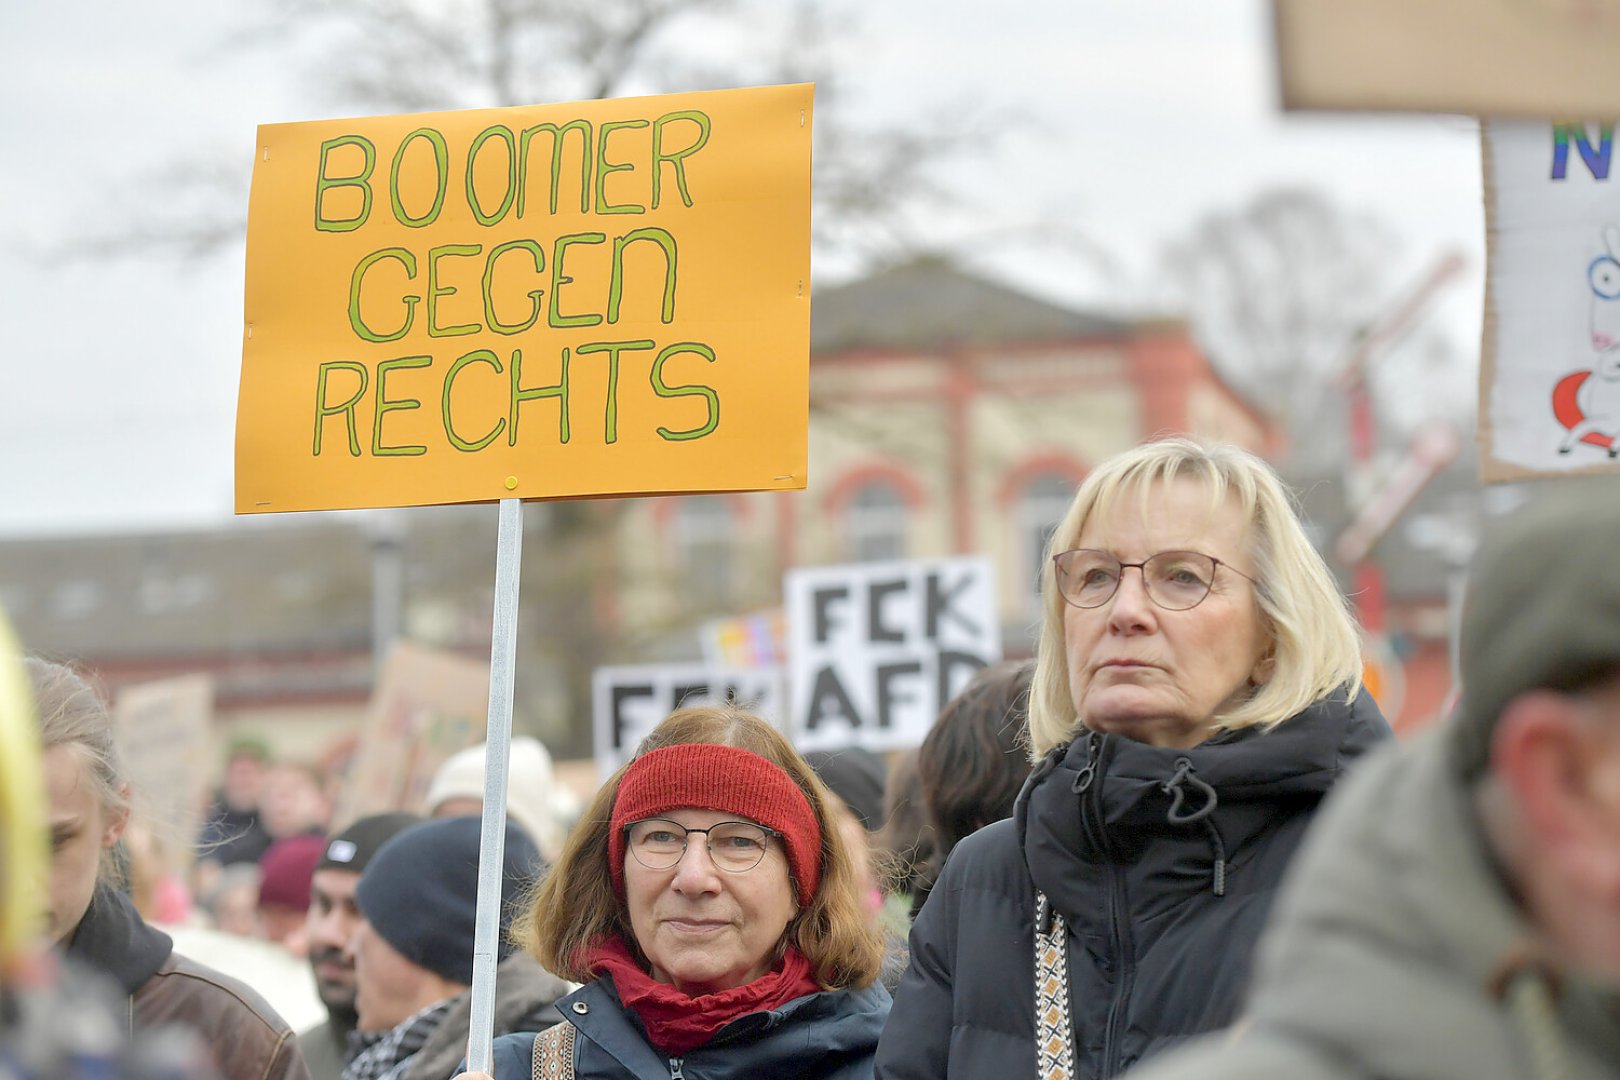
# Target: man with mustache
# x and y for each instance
(331, 922)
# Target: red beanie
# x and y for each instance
(704, 776)
(287, 868)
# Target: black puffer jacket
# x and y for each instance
(1163, 913)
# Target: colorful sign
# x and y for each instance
(1527, 58)
(755, 640)
(1550, 369)
(627, 702)
(604, 298)
(878, 648)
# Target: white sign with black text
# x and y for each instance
(875, 649)
(627, 702)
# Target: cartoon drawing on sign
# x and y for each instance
(1587, 402)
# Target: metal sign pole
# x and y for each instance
(498, 745)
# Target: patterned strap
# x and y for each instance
(1054, 1034)
(554, 1053)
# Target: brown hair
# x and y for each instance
(908, 838)
(574, 906)
(972, 762)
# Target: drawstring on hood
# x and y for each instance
(1529, 986)
(1083, 778)
(1531, 1002)
(1183, 776)
(1173, 787)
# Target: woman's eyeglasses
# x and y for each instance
(1174, 580)
(734, 846)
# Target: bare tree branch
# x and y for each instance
(1277, 292)
(877, 186)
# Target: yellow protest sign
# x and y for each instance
(601, 298)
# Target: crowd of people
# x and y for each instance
(1180, 840)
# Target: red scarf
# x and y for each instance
(677, 1023)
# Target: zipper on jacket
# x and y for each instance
(675, 1072)
(1091, 820)
(1126, 949)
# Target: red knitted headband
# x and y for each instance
(703, 776)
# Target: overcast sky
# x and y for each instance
(117, 409)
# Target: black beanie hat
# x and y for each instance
(420, 892)
(856, 775)
(353, 848)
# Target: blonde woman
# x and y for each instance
(1196, 694)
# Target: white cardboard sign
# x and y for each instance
(875, 649)
(629, 701)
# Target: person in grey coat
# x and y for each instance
(1456, 910)
(413, 952)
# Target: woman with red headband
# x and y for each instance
(708, 904)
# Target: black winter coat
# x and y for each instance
(1162, 916)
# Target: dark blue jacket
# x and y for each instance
(827, 1036)
(1159, 948)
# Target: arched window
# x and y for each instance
(1041, 504)
(875, 522)
(704, 532)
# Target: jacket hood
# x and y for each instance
(113, 939)
(525, 1000)
(1398, 909)
(1105, 798)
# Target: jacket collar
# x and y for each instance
(1105, 799)
(524, 995)
(112, 938)
(834, 1022)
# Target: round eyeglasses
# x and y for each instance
(734, 846)
(1174, 580)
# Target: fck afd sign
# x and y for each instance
(876, 649)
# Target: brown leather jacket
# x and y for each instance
(249, 1041)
